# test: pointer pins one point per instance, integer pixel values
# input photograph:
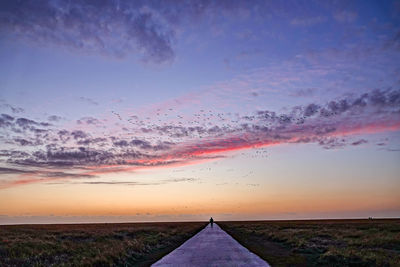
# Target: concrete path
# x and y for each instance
(211, 247)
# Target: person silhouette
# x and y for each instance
(211, 222)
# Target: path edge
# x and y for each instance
(167, 252)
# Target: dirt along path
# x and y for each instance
(211, 247)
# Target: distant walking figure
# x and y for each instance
(211, 222)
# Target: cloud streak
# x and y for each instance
(29, 176)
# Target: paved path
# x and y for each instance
(211, 247)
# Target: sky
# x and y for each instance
(124, 111)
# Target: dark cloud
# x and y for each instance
(183, 179)
(137, 142)
(78, 134)
(7, 117)
(176, 131)
(54, 118)
(88, 141)
(284, 119)
(267, 115)
(332, 143)
(338, 107)
(12, 171)
(255, 94)
(79, 157)
(359, 142)
(132, 183)
(38, 174)
(23, 126)
(25, 123)
(382, 99)
(303, 92)
(23, 142)
(121, 143)
(13, 154)
(88, 101)
(66, 175)
(162, 146)
(4, 122)
(115, 183)
(360, 101)
(145, 145)
(13, 109)
(393, 149)
(311, 109)
(88, 120)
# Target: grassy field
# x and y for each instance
(321, 242)
(138, 244)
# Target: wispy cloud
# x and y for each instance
(111, 27)
(54, 118)
(114, 28)
(129, 183)
(146, 29)
(359, 142)
(307, 92)
(345, 16)
(308, 21)
(88, 100)
(35, 175)
(13, 109)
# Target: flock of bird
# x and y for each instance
(202, 126)
(203, 119)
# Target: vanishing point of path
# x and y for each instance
(211, 247)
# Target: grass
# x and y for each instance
(321, 242)
(127, 244)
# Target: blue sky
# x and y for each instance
(147, 95)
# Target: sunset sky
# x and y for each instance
(116, 111)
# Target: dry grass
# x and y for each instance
(321, 242)
(138, 244)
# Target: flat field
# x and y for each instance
(321, 242)
(138, 244)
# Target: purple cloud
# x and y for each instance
(359, 142)
(195, 141)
